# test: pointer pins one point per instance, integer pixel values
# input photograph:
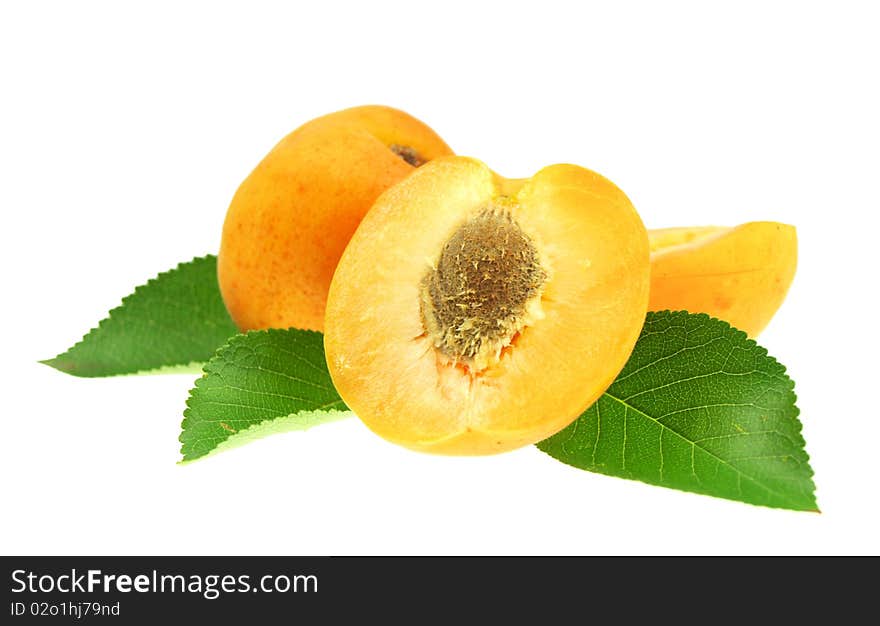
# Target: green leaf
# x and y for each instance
(698, 407)
(254, 379)
(174, 320)
(273, 426)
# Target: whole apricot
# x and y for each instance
(471, 314)
(739, 274)
(293, 215)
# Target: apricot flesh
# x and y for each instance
(472, 314)
(739, 274)
(291, 218)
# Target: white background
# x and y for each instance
(125, 132)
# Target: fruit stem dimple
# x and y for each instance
(408, 154)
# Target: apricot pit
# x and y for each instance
(476, 299)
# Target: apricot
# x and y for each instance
(739, 274)
(291, 218)
(472, 314)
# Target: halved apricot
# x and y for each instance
(739, 274)
(291, 218)
(471, 314)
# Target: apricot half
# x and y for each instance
(471, 314)
(739, 274)
(291, 218)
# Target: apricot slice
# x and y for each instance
(291, 218)
(471, 314)
(739, 274)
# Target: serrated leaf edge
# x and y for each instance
(763, 353)
(209, 368)
(101, 324)
(249, 434)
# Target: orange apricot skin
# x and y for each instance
(739, 274)
(291, 218)
(593, 307)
